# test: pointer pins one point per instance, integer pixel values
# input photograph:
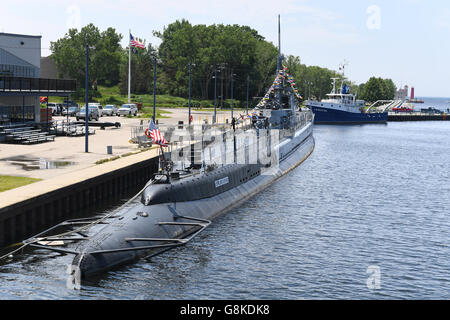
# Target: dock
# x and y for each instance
(417, 117)
(35, 207)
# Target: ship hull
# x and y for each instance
(332, 116)
(171, 220)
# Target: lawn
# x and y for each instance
(11, 182)
(111, 95)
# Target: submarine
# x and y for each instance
(176, 205)
(179, 202)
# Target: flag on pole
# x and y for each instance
(136, 43)
(153, 133)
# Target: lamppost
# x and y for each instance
(248, 82)
(189, 104)
(86, 113)
(154, 89)
(232, 99)
(309, 93)
(215, 95)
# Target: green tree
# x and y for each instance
(232, 48)
(378, 89)
(142, 64)
(105, 55)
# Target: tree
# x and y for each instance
(311, 81)
(378, 89)
(105, 55)
(142, 64)
(238, 49)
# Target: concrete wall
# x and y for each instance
(27, 218)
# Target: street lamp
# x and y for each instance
(86, 113)
(190, 67)
(248, 82)
(215, 95)
(232, 99)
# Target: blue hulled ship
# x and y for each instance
(341, 107)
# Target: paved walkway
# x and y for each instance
(80, 165)
(68, 153)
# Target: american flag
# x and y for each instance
(136, 43)
(154, 133)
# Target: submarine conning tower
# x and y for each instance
(165, 189)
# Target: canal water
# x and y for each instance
(365, 217)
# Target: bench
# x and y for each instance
(40, 139)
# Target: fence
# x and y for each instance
(19, 84)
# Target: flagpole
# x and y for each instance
(129, 66)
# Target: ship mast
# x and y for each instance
(280, 59)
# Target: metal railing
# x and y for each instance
(19, 84)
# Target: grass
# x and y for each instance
(124, 155)
(11, 182)
(111, 95)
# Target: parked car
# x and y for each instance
(56, 108)
(128, 109)
(72, 111)
(93, 113)
(99, 106)
(110, 110)
(69, 103)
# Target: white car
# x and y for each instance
(99, 108)
(128, 109)
(54, 107)
(110, 110)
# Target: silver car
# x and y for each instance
(99, 108)
(72, 111)
(110, 110)
(93, 113)
(128, 109)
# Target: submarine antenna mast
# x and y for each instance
(280, 58)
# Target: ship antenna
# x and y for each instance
(280, 58)
(279, 44)
(279, 37)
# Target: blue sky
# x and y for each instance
(405, 40)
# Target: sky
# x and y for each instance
(404, 40)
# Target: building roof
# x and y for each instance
(19, 35)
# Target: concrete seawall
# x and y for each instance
(418, 117)
(30, 209)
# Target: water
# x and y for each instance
(442, 104)
(369, 196)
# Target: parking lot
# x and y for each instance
(67, 154)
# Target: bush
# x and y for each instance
(111, 100)
(80, 94)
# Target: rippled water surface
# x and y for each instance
(369, 196)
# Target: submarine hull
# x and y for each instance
(140, 230)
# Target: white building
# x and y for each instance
(402, 94)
